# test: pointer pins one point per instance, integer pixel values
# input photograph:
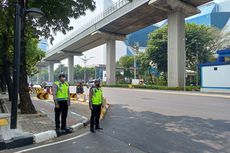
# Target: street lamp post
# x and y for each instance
(135, 48)
(19, 13)
(85, 60)
(16, 66)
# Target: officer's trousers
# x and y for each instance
(61, 111)
(95, 116)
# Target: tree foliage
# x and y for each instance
(57, 18)
(200, 44)
(33, 55)
(127, 62)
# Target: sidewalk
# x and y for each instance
(40, 127)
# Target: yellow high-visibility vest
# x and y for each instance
(97, 96)
(62, 91)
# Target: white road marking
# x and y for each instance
(83, 117)
(51, 144)
(177, 93)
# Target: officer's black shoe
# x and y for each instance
(99, 128)
(67, 130)
(59, 131)
(92, 130)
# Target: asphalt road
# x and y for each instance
(142, 121)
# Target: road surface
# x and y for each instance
(144, 121)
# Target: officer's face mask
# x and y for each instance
(97, 84)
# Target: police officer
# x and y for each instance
(95, 103)
(61, 98)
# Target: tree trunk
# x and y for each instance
(151, 76)
(3, 84)
(26, 104)
(6, 64)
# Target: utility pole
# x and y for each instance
(20, 12)
(85, 60)
(135, 52)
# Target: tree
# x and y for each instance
(221, 39)
(57, 18)
(199, 39)
(6, 41)
(78, 73)
(126, 62)
(144, 66)
(33, 55)
(61, 69)
(57, 14)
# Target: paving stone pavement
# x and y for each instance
(44, 120)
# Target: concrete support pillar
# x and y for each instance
(110, 62)
(39, 76)
(51, 72)
(71, 69)
(176, 49)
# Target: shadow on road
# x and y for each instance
(156, 133)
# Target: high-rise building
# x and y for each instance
(215, 14)
(43, 45)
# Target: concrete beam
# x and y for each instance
(174, 5)
(109, 35)
(110, 62)
(69, 53)
(176, 49)
(52, 61)
(71, 69)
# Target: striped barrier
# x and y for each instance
(104, 109)
(43, 96)
(73, 96)
(38, 90)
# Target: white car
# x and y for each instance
(90, 83)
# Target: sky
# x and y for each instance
(99, 57)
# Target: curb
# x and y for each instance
(22, 141)
(16, 142)
(51, 134)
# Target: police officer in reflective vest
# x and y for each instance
(95, 103)
(61, 98)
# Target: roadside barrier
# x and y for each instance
(38, 90)
(73, 96)
(81, 97)
(131, 86)
(43, 95)
(104, 109)
(3, 122)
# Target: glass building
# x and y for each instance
(43, 45)
(214, 14)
